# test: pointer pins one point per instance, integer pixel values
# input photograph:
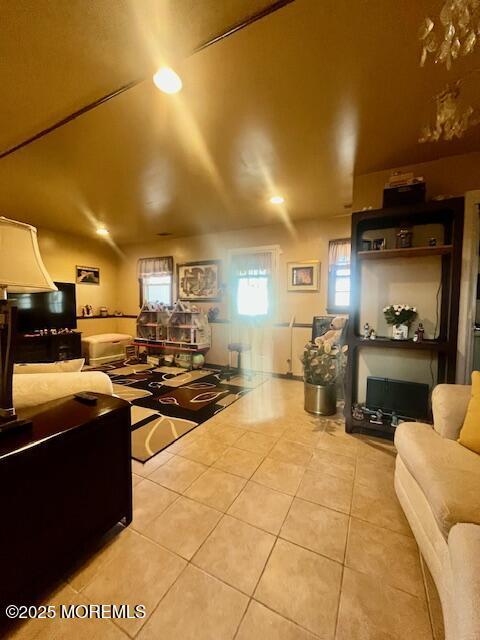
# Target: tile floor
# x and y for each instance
(263, 522)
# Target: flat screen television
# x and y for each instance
(406, 399)
(52, 310)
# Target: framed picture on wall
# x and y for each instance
(87, 275)
(303, 276)
(199, 281)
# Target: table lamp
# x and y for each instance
(21, 271)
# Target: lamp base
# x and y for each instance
(10, 425)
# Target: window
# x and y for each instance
(155, 278)
(252, 282)
(339, 276)
(158, 289)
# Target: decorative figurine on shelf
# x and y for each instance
(394, 420)
(404, 237)
(419, 333)
(373, 334)
(357, 412)
(432, 242)
(87, 311)
(377, 417)
(366, 331)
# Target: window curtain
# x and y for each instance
(252, 264)
(155, 266)
(339, 252)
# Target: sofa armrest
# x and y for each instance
(37, 388)
(449, 406)
(464, 547)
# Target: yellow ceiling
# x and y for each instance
(295, 103)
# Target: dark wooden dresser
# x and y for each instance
(63, 483)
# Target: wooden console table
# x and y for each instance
(63, 483)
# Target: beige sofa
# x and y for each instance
(437, 482)
(36, 388)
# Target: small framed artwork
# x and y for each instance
(199, 281)
(303, 276)
(379, 244)
(87, 275)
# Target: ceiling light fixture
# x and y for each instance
(167, 80)
(277, 199)
(102, 231)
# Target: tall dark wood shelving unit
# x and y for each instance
(448, 213)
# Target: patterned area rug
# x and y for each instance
(168, 402)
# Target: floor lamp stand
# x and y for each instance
(8, 316)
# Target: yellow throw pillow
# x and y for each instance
(470, 431)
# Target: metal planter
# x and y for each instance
(320, 400)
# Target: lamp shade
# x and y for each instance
(21, 266)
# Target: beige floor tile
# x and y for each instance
(372, 474)
(392, 557)
(225, 434)
(379, 450)
(282, 476)
(149, 500)
(184, 526)
(40, 628)
(144, 469)
(339, 442)
(316, 528)
(136, 479)
(327, 490)
(262, 507)
(289, 451)
(372, 610)
(197, 607)
(274, 428)
(255, 442)
(239, 462)
(178, 473)
(216, 489)
(235, 553)
(93, 561)
(186, 440)
(309, 437)
(204, 450)
(302, 586)
(261, 623)
(68, 628)
(141, 573)
(335, 464)
(380, 506)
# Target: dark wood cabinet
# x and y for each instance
(48, 348)
(447, 216)
(64, 482)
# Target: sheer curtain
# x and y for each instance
(339, 252)
(155, 266)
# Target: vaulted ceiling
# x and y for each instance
(295, 103)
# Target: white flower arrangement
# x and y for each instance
(399, 314)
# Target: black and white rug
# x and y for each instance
(168, 402)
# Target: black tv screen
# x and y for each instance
(406, 399)
(52, 310)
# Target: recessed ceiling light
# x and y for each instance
(277, 199)
(167, 80)
(102, 231)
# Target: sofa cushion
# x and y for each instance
(448, 474)
(470, 431)
(449, 406)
